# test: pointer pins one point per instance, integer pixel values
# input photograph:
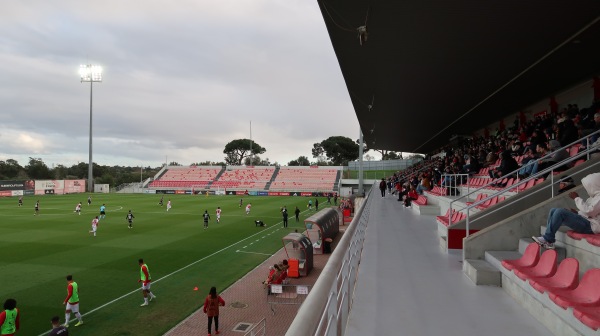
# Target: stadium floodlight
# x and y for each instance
(90, 73)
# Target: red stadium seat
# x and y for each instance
(546, 267)
(529, 259)
(566, 277)
(585, 295)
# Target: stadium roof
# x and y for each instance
(435, 68)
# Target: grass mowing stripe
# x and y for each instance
(175, 272)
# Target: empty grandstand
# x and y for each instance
(305, 179)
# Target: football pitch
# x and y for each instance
(38, 252)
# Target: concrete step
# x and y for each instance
(482, 272)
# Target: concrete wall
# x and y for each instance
(505, 234)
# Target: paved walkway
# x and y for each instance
(249, 293)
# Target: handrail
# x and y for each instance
(521, 182)
(319, 314)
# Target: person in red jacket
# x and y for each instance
(9, 318)
(211, 309)
(411, 196)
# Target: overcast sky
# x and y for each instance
(181, 79)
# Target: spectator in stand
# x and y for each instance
(410, 196)
(400, 190)
(492, 157)
(471, 166)
(585, 219)
(558, 156)
(516, 149)
(425, 184)
(529, 158)
(507, 166)
(590, 128)
(567, 131)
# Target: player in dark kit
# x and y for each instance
(206, 217)
(37, 208)
(20, 201)
(89, 200)
(161, 201)
(130, 218)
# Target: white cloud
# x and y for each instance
(180, 80)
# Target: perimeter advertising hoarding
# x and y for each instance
(12, 185)
(279, 193)
(42, 187)
(74, 186)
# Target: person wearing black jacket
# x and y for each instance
(507, 165)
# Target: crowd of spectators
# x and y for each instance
(527, 141)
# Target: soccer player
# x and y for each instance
(95, 223)
(72, 301)
(37, 208)
(309, 205)
(297, 213)
(20, 201)
(102, 211)
(285, 217)
(241, 202)
(130, 218)
(57, 329)
(248, 208)
(169, 205)
(218, 214)
(78, 208)
(206, 217)
(161, 201)
(89, 200)
(146, 281)
(9, 318)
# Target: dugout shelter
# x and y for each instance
(299, 251)
(321, 229)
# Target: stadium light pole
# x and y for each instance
(90, 73)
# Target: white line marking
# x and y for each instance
(254, 253)
(166, 276)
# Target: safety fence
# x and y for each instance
(259, 329)
(287, 295)
(327, 307)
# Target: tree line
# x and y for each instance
(36, 169)
(334, 151)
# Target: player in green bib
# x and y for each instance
(146, 281)
(72, 301)
(9, 318)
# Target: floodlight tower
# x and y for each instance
(90, 73)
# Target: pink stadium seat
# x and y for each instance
(444, 219)
(586, 294)
(566, 277)
(479, 198)
(546, 267)
(529, 259)
(421, 200)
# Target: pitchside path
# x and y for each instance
(248, 292)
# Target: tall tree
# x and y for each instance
(300, 161)
(238, 149)
(37, 169)
(10, 169)
(338, 150)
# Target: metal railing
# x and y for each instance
(520, 184)
(286, 294)
(259, 329)
(326, 309)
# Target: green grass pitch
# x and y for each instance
(39, 251)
